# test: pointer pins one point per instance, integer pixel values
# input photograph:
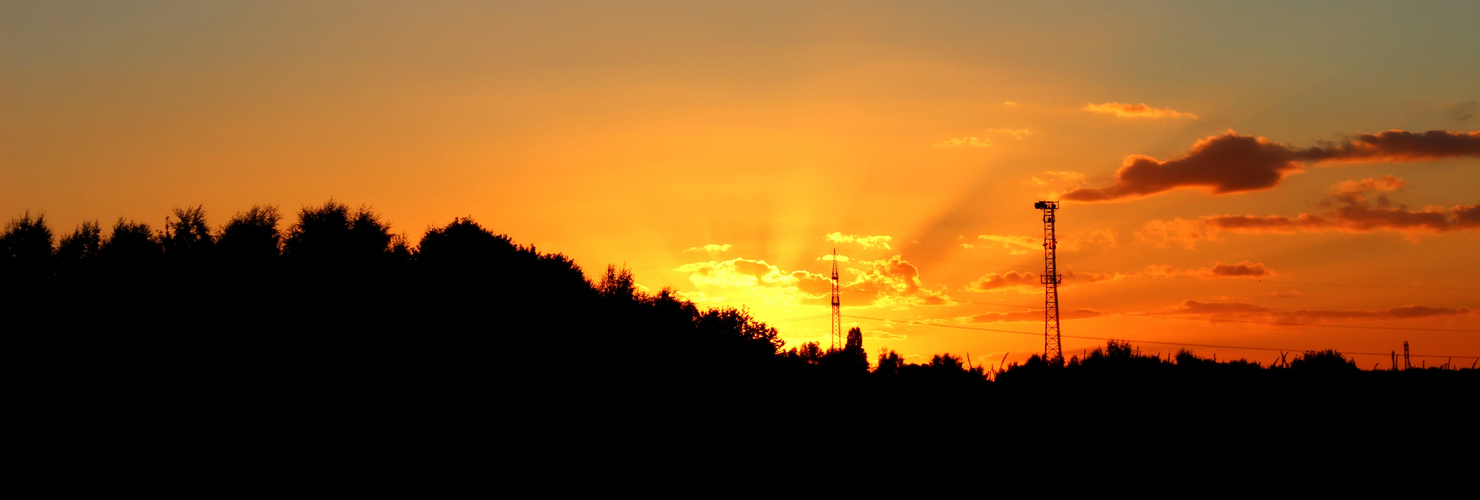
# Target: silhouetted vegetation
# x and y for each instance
(336, 308)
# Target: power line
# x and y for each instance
(1183, 344)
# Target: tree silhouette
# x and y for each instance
(853, 349)
(131, 245)
(187, 237)
(333, 234)
(81, 247)
(889, 363)
(463, 243)
(27, 244)
(617, 284)
(735, 331)
(251, 236)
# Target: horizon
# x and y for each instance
(1237, 180)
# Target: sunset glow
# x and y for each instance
(1237, 180)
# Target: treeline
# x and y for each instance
(337, 288)
(335, 303)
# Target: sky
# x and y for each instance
(1238, 179)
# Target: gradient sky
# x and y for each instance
(1282, 190)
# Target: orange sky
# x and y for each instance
(715, 148)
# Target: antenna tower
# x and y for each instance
(1053, 351)
(1407, 362)
(837, 307)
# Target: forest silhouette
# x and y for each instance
(332, 313)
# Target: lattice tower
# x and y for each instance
(837, 307)
(1053, 351)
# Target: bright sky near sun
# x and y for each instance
(1296, 175)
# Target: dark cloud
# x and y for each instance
(1245, 269)
(1463, 111)
(1353, 206)
(995, 281)
(1220, 308)
(1232, 163)
(1241, 270)
(1398, 145)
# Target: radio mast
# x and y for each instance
(1053, 351)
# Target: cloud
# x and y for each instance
(894, 282)
(1103, 237)
(1241, 270)
(711, 249)
(1023, 245)
(877, 335)
(1015, 245)
(1010, 279)
(1397, 146)
(1029, 316)
(1184, 233)
(757, 277)
(829, 257)
(881, 241)
(697, 297)
(890, 283)
(1352, 206)
(984, 139)
(1135, 111)
(1463, 111)
(1030, 282)
(1232, 163)
(1232, 311)
(1281, 294)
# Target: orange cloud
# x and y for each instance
(1354, 206)
(1015, 245)
(1232, 163)
(984, 139)
(1011, 279)
(1245, 269)
(1135, 111)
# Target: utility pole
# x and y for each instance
(837, 307)
(1053, 351)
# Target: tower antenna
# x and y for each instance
(837, 307)
(1053, 351)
